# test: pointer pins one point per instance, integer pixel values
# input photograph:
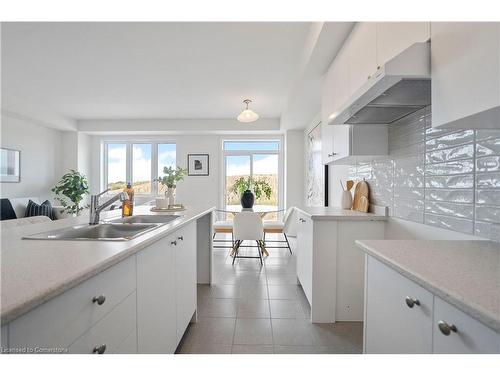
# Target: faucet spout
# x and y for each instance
(95, 208)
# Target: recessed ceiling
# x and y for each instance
(151, 70)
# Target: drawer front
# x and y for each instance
(111, 331)
(391, 326)
(3, 337)
(60, 321)
(129, 346)
(471, 336)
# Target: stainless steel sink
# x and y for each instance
(155, 219)
(99, 232)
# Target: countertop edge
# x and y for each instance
(365, 217)
(474, 311)
(15, 312)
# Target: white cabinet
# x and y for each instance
(351, 141)
(465, 63)
(394, 37)
(395, 323)
(185, 277)
(455, 332)
(326, 143)
(156, 305)
(362, 54)
(3, 337)
(305, 254)
(336, 89)
(391, 326)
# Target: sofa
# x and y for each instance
(19, 206)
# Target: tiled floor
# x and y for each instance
(253, 309)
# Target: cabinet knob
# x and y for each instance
(446, 328)
(173, 243)
(180, 238)
(100, 349)
(332, 154)
(99, 299)
(302, 220)
(410, 302)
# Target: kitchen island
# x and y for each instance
(329, 266)
(53, 292)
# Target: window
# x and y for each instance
(256, 159)
(138, 162)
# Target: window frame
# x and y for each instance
(129, 161)
(251, 153)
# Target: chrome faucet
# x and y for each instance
(95, 208)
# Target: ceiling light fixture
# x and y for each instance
(247, 115)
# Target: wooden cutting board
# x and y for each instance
(361, 200)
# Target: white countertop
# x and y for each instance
(34, 271)
(337, 213)
(464, 273)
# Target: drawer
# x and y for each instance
(60, 321)
(111, 331)
(471, 336)
(129, 346)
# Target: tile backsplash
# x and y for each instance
(443, 178)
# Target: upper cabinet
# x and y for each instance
(369, 46)
(362, 54)
(465, 63)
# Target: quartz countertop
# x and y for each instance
(465, 274)
(337, 213)
(35, 271)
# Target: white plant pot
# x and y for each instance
(346, 202)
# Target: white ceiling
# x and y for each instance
(151, 70)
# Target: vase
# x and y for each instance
(247, 199)
(346, 203)
(170, 195)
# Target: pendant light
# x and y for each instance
(247, 115)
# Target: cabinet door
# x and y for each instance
(394, 37)
(326, 143)
(305, 254)
(156, 311)
(471, 336)
(3, 336)
(465, 73)
(362, 54)
(185, 276)
(391, 326)
(341, 141)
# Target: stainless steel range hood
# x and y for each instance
(400, 87)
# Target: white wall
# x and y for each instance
(294, 168)
(41, 156)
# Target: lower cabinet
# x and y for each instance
(305, 254)
(398, 313)
(403, 317)
(156, 311)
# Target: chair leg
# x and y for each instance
(235, 250)
(260, 251)
(232, 238)
(263, 247)
(287, 243)
(213, 237)
(264, 237)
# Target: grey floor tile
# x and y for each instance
(283, 349)
(224, 291)
(211, 331)
(282, 279)
(251, 278)
(253, 308)
(253, 349)
(209, 349)
(292, 332)
(253, 332)
(346, 336)
(218, 308)
(253, 291)
(283, 292)
(286, 309)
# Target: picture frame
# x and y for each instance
(198, 164)
(10, 165)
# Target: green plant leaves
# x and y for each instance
(258, 186)
(73, 186)
(171, 176)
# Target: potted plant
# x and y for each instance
(70, 191)
(250, 189)
(170, 179)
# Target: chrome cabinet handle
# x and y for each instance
(302, 220)
(332, 154)
(100, 349)
(99, 299)
(173, 243)
(410, 302)
(446, 328)
(180, 238)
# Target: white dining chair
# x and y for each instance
(247, 226)
(279, 226)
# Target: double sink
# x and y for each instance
(120, 229)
